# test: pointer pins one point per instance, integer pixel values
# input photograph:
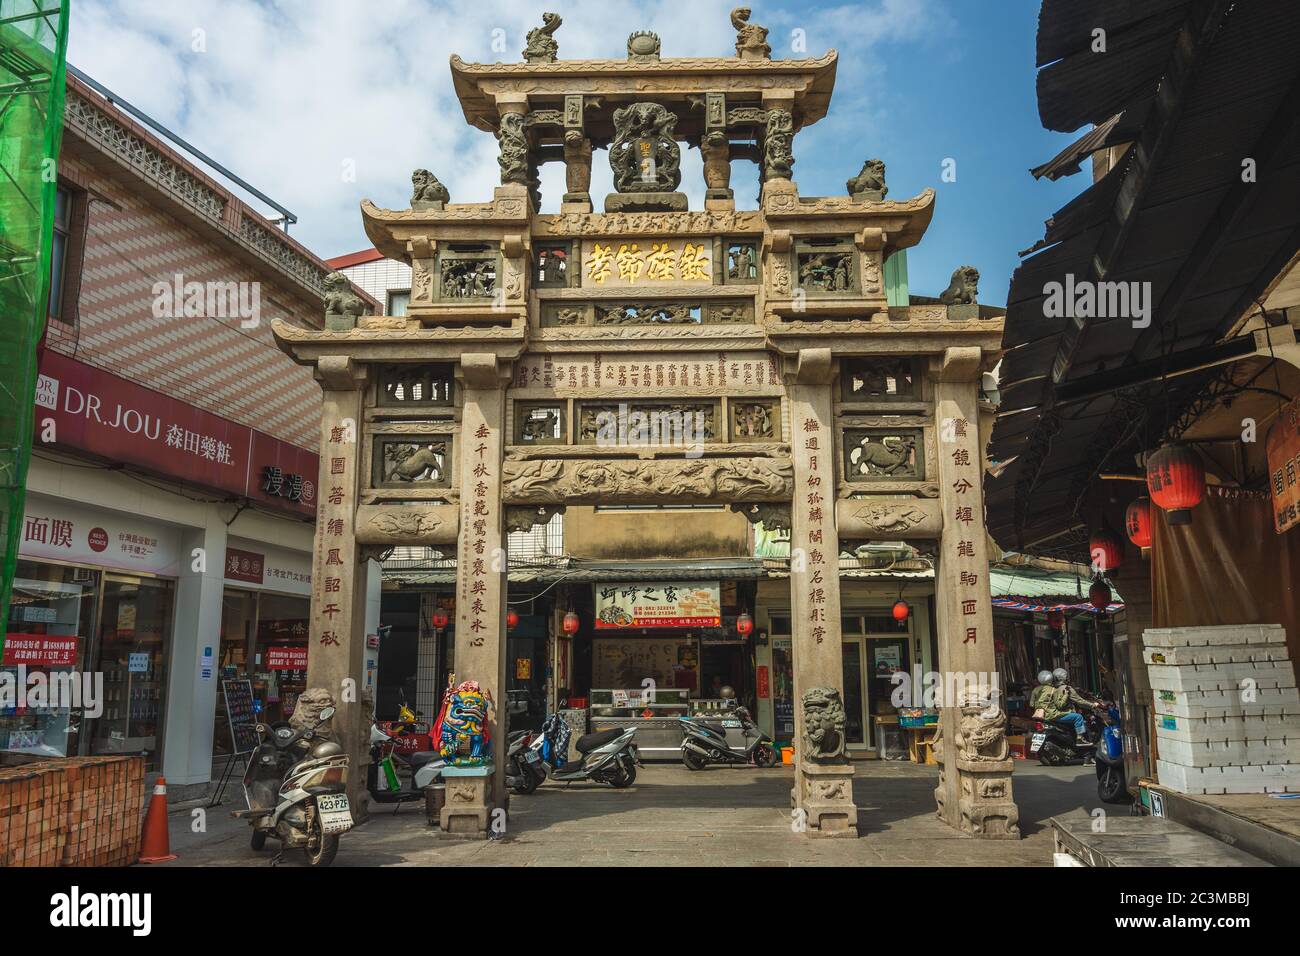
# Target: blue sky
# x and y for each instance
(321, 103)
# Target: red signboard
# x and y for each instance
(244, 565)
(1283, 449)
(290, 657)
(761, 679)
(105, 415)
(41, 650)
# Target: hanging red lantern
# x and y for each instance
(1106, 549)
(1137, 522)
(1099, 595)
(1056, 619)
(512, 619)
(901, 611)
(439, 619)
(571, 623)
(1176, 480)
(744, 624)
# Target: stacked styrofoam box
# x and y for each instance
(1227, 708)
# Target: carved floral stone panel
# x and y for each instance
(639, 373)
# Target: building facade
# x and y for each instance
(172, 491)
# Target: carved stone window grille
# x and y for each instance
(883, 454)
(552, 265)
(405, 385)
(755, 421)
(883, 379)
(640, 424)
(740, 261)
(540, 423)
(467, 271)
(411, 461)
(826, 267)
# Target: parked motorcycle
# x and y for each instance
(608, 756)
(704, 743)
(296, 790)
(1111, 785)
(524, 771)
(398, 773)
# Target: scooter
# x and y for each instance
(1056, 743)
(398, 774)
(297, 791)
(1111, 785)
(524, 772)
(703, 744)
(608, 756)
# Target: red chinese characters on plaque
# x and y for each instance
(1283, 449)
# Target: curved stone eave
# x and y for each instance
(905, 221)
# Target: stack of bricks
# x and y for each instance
(1227, 709)
(77, 811)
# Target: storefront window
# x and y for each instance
(134, 641)
(238, 625)
(51, 614)
(280, 657)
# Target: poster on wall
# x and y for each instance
(658, 604)
(1283, 448)
(624, 663)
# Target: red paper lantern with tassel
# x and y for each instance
(1106, 549)
(1137, 522)
(1176, 480)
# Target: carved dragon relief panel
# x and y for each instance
(594, 481)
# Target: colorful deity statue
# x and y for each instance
(462, 731)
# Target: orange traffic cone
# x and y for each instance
(155, 846)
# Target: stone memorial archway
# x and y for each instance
(651, 353)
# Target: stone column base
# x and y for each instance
(468, 806)
(827, 799)
(575, 202)
(985, 808)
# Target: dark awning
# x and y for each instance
(1214, 84)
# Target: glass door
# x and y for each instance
(885, 657)
(856, 729)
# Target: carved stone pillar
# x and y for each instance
(481, 573)
(577, 175)
(974, 792)
(335, 661)
(718, 194)
(513, 142)
(823, 789)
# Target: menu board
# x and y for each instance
(658, 604)
(241, 714)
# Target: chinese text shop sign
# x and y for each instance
(1283, 448)
(658, 604)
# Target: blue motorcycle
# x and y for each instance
(1111, 785)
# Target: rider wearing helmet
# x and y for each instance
(1055, 698)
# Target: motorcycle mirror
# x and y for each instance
(325, 714)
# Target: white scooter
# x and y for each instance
(297, 791)
(608, 756)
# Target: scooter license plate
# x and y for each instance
(1036, 742)
(335, 814)
(531, 756)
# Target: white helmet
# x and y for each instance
(1060, 675)
(1044, 677)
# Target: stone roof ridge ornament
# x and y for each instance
(541, 45)
(427, 192)
(751, 39)
(644, 45)
(869, 183)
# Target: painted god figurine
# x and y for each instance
(463, 738)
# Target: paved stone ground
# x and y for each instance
(722, 816)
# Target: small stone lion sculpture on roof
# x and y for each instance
(869, 183)
(342, 306)
(963, 288)
(426, 190)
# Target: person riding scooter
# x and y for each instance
(1055, 699)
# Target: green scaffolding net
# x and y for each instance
(33, 48)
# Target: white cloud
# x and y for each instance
(286, 94)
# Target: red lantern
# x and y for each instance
(1176, 480)
(1107, 550)
(439, 619)
(1137, 522)
(512, 618)
(744, 624)
(571, 623)
(1099, 595)
(901, 611)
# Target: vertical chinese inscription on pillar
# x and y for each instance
(334, 540)
(967, 515)
(478, 505)
(813, 502)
